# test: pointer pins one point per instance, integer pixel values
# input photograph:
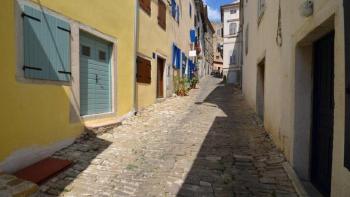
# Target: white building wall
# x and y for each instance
(230, 43)
(288, 89)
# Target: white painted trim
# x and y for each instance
(113, 65)
(30, 155)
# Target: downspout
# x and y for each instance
(136, 41)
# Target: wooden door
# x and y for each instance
(95, 75)
(323, 108)
(160, 77)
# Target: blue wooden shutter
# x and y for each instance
(46, 46)
(173, 8)
(177, 14)
(174, 55)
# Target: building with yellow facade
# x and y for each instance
(66, 65)
(163, 47)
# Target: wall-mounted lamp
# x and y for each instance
(307, 8)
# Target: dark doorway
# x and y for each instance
(260, 90)
(323, 107)
(160, 77)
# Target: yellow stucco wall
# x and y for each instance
(35, 114)
(160, 42)
(152, 39)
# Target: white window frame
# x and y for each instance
(74, 84)
(232, 28)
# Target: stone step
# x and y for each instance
(12, 186)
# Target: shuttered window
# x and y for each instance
(143, 70)
(46, 43)
(162, 14)
(347, 90)
(146, 6)
(173, 9)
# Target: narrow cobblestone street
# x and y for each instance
(206, 144)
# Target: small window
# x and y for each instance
(86, 51)
(190, 10)
(233, 60)
(146, 6)
(162, 14)
(102, 55)
(233, 28)
(143, 74)
(233, 11)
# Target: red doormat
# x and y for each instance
(43, 170)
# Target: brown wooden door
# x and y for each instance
(160, 76)
(323, 114)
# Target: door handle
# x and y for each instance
(96, 78)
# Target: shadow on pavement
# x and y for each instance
(237, 158)
(84, 150)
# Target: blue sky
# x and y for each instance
(214, 8)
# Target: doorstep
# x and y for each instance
(12, 186)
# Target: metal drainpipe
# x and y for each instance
(136, 39)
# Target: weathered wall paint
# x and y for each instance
(38, 115)
(284, 66)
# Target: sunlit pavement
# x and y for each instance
(206, 144)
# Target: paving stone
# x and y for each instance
(207, 143)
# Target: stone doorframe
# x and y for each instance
(303, 96)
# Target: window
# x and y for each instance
(233, 11)
(102, 55)
(233, 59)
(246, 39)
(233, 28)
(143, 74)
(177, 14)
(261, 9)
(190, 10)
(218, 32)
(46, 43)
(184, 63)
(175, 11)
(162, 14)
(217, 57)
(176, 57)
(146, 6)
(85, 50)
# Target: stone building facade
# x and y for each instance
(218, 47)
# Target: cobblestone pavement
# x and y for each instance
(205, 144)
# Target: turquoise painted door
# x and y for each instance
(95, 75)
